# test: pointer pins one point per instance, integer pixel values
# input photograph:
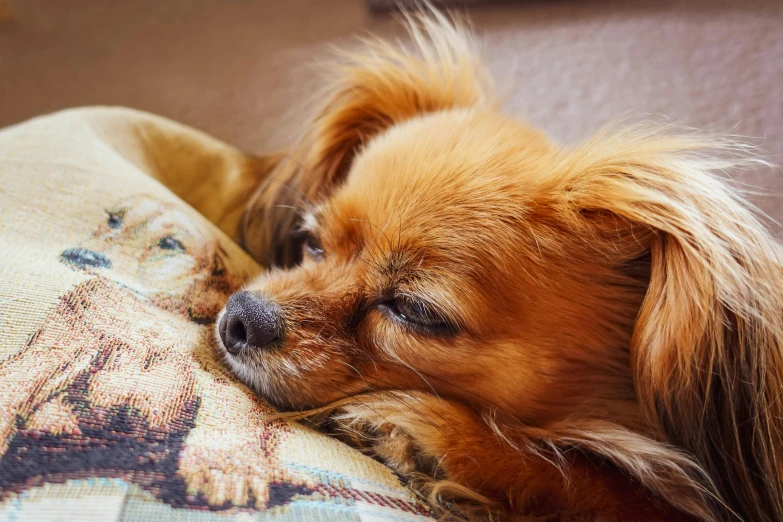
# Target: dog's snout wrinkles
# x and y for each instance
(250, 322)
(84, 258)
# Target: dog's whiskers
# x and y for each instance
(390, 393)
(421, 374)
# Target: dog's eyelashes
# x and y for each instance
(418, 315)
(414, 311)
(313, 247)
(169, 243)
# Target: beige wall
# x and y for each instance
(239, 68)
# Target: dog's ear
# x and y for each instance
(207, 301)
(218, 264)
(373, 89)
(381, 85)
(208, 294)
(706, 347)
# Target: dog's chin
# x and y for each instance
(257, 380)
(261, 383)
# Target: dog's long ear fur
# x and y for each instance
(706, 348)
(372, 89)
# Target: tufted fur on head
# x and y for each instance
(589, 332)
(369, 91)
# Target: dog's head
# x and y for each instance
(442, 246)
(159, 252)
(449, 249)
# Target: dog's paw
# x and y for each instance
(414, 433)
(223, 469)
(409, 431)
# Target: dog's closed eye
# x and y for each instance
(169, 243)
(417, 315)
(313, 247)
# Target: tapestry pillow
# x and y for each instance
(114, 405)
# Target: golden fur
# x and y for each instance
(610, 314)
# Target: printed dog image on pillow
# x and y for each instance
(121, 379)
(159, 253)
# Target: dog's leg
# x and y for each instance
(32, 376)
(228, 460)
(21, 375)
(55, 416)
(473, 462)
(64, 346)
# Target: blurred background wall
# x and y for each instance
(240, 69)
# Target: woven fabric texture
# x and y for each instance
(114, 405)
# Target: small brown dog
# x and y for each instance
(582, 333)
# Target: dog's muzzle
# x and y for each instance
(83, 258)
(251, 322)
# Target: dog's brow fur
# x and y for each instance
(621, 308)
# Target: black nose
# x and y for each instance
(84, 258)
(250, 321)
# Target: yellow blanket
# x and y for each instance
(114, 406)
